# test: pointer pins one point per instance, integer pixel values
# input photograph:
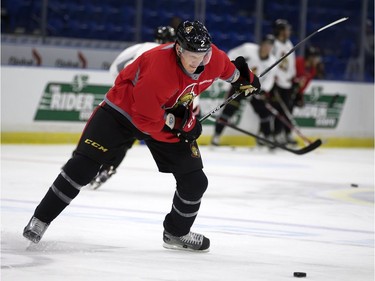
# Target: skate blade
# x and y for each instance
(32, 237)
(95, 185)
(180, 248)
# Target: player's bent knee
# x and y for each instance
(193, 184)
(81, 169)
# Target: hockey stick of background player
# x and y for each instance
(236, 94)
(228, 100)
(303, 41)
(301, 151)
(286, 110)
(286, 122)
(293, 123)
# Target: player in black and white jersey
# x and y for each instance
(285, 74)
(259, 58)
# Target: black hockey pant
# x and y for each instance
(105, 133)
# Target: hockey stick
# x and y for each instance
(285, 109)
(301, 151)
(304, 40)
(236, 94)
(286, 122)
(228, 100)
(293, 125)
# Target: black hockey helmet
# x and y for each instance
(165, 34)
(312, 52)
(193, 36)
(279, 25)
(268, 38)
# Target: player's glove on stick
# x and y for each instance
(264, 96)
(187, 128)
(248, 82)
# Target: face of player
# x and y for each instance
(265, 49)
(313, 60)
(191, 60)
(287, 32)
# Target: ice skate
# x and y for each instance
(102, 177)
(280, 139)
(290, 140)
(270, 146)
(189, 242)
(35, 229)
(215, 141)
(261, 143)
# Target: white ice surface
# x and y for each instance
(267, 215)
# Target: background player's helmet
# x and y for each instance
(268, 38)
(279, 25)
(312, 52)
(193, 36)
(165, 34)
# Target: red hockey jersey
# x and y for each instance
(304, 74)
(155, 82)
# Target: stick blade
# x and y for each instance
(301, 151)
(333, 23)
(314, 145)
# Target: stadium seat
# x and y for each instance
(230, 22)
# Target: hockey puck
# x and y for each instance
(354, 185)
(299, 274)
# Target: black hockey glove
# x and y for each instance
(248, 81)
(299, 101)
(264, 96)
(187, 128)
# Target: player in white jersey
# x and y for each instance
(259, 58)
(285, 74)
(163, 34)
(128, 55)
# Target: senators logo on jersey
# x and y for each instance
(284, 64)
(195, 153)
(186, 97)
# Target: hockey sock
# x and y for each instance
(265, 126)
(228, 112)
(77, 172)
(186, 202)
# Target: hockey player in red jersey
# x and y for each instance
(163, 34)
(152, 100)
(306, 67)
